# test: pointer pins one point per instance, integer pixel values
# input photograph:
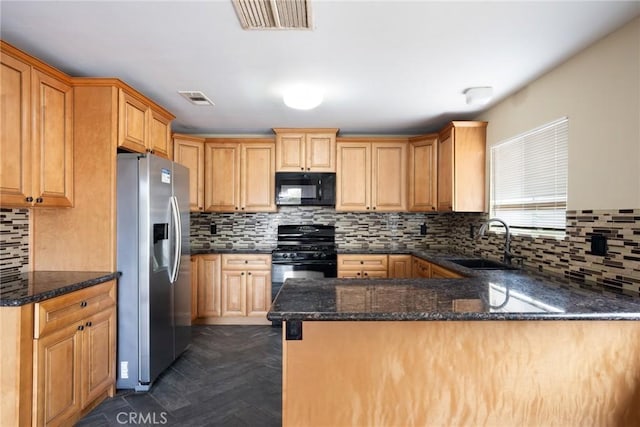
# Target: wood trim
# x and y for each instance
(231, 320)
(306, 130)
(35, 62)
(119, 84)
(16, 367)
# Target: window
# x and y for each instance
(529, 180)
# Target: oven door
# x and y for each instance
(281, 271)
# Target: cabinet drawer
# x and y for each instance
(246, 261)
(362, 262)
(57, 312)
(440, 272)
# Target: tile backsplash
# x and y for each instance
(14, 241)
(569, 257)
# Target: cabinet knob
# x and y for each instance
(236, 208)
(242, 274)
(366, 274)
(249, 273)
(81, 328)
(308, 169)
(243, 208)
(367, 207)
(88, 324)
(83, 304)
(246, 261)
(361, 262)
(357, 274)
(301, 169)
(39, 200)
(374, 208)
(29, 199)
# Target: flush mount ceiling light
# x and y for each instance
(196, 97)
(478, 95)
(273, 14)
(302, 97)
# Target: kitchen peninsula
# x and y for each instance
(500, 347)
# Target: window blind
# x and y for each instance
(529, 179)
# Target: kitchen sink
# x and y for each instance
(481, 264)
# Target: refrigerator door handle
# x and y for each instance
(175, 211)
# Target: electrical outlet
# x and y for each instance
(423, 229)
(213, 229)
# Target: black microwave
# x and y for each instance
(299, 188)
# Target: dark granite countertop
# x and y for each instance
(480, 295)
(257, 251)
(37, 286)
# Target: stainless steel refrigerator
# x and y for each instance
(154, 291)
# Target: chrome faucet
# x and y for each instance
(507, 238)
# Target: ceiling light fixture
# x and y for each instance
(478, 95)
(302, 97)
(196, 97)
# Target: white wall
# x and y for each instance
(599, 90)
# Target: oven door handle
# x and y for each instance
(304, 263)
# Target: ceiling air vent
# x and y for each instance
(273, 14)
(196, 97)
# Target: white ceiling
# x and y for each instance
(387, 67)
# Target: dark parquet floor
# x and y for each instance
(229, 376)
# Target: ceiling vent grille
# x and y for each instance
(196, 97)
(273, 14)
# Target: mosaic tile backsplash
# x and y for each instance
(14, 241)
(570, 257)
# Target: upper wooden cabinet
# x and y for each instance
(239, 175)
(308, 150)
(189, 151)
(461, 167)
(423, 173)
(371, 175)
(143, 127)
(36, 136)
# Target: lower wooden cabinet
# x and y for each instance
(233, 288)
(360, 266)
(74, 354)
(421, 268)
(400, 266)
(425, 269)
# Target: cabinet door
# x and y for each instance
(353, 177)
(421, 269)
(209, 285)
(423, 174)
(52, 173)
(290, 152)
(445, 172)
(98, 355)
(234, 288)
(258, 178)
(400, 266)
(56, 360)
(349, 274)
(132, 123)
(222, 175)
(321, 152)
(190, 153)
(160, 135)
(389, 177)
(258, 292)
(15, 141)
